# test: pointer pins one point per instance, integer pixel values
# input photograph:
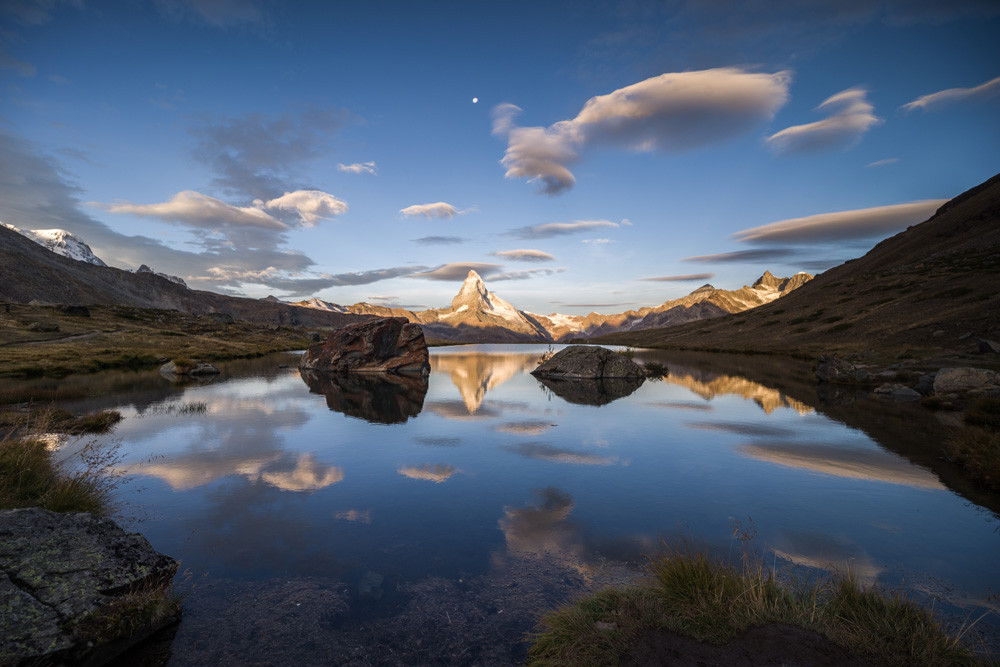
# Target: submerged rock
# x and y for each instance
(385, 345)
(589, 361)
(76, 588)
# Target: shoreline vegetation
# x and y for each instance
(729, 610)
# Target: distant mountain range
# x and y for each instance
(932, 288)
(479, 315)
(475, 314)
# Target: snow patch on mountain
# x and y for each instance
(60, 242)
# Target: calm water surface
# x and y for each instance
(375, 488)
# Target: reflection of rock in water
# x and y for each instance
(592, 392)
(382, 398)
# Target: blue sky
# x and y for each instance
(616, 155)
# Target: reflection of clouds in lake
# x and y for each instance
(439, 441)
(355, 516)
(543, 528)
(524, 427)
(744, 428)
(682, 405)
(308, 475)
(544, 452)
(709, 385)
(841, 461)
(476, 373)
(833, 553)
(436, 473)
(458, 410)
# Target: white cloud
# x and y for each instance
(197, 210)
(672, 279)
(983, 91)
(20, 67)
(551, 229)
(761, 255)
(524, 274)
(358, 168)
(458, 271)
(436, 210)
(882, 163)
(311, 205)
(673, 111)
(851, 116)
(843, 225)
(525, 255)
(597, 241)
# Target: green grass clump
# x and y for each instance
(977, 450)
(715, 602)
(655, 371)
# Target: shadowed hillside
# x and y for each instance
(30, 272)
(932, 289)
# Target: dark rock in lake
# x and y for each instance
(587, 391)
(385, 345)
(839, 371)
(589, 361)
(66, 578)
(381, 398)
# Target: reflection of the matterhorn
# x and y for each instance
(476, 373)
(380, 398)
(599, 391)
(709, 385)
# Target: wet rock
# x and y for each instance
(385, 345)
(965, 380)
(200, 368)
(988, 346)
(589, 361)
(840, 371)
(381, 398)
(44, 327)
(61, 575)
(906, 394)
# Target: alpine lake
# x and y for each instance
(367, 520)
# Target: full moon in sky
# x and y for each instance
(475, 99)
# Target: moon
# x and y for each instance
(475, 100)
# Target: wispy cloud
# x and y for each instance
(862, 223)
(883, 163)
(438, 209)
(525, 255)
(458, 271)
(524, 274)
(19, 67)
(358, 168)
(550, 229)
(673, 279)
(984, 91)
(439, 240)
(257, 155)
(597, 305)
(851, 115)
(743, 255)
(197, 210)
(215, 13)
(670, 112)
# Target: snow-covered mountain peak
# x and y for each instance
(60, 242)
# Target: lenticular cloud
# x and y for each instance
(670, 112)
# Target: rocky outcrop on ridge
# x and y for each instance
(76, 588)
(588, 362)
(386, 345)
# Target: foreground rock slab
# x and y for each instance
(76, 588)
(588, 362)
(385, 345)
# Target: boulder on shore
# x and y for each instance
(384, 345)
(966, 380)
(589, 361)
(839, 371)
(199, 368)
(77, 589)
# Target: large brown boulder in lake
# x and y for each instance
(386, 345)
(589, 361)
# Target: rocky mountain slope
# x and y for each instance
(30, 272)
(934, 287)
(478, 315)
